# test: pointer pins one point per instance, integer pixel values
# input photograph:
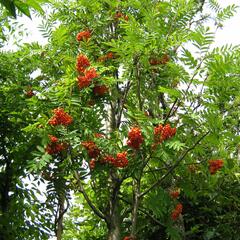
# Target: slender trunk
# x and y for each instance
(114, 219)
(114, 224)
(59, 227)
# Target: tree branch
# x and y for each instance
(170, 111)
(91, 205)
(142, 210)
(128, 86)
(138, 83)
(172, 168)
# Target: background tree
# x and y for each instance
(20, 206)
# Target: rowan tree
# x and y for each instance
(136, 120)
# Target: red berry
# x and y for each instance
(135, 138)
(174, 194)
(54, 148)
(53, 139)
(162, 133)
(92, 149)
(84, 35)
(100, 90)
(92, 164)
(29, 93)
(60, 118)
(177, 211)
(215, 165)
(86, 80)
(82, 63)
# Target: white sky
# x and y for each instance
(231, 30)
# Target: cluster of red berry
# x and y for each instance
(135, 138)
(92, 164)
(99, 135)
(106, 57)
(162, 133)
(100, 90)
(29, 93)
(54, 146)
(60, 118)
(119, 15)
(92, 149)
(86, 79)
(129, 238)
(174, 194)
(215, 165)
(86, 75)
(177, 211)
(84, 35)
(164, 60)
(82, 63)
(120, 161)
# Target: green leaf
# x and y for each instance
(170, 91)
(176, 145)
(23, 7)
(9, 5)
(35, 5)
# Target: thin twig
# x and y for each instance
(141, 209)
(128, 86)
(173, 167)
(91, 205)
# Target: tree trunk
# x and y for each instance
(59, 227)
(114, 219)
(136, 193)
(114, 228)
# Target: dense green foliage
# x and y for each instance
(22, 6)
(157, 65)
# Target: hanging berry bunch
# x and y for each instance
(120, 161)
(82, 63)
(162, 133)
(215, 165)
(135, 138)
(84, 35)
(177, 211)
(174, 194)
(54, 146)
(92, 149)
(60, 117)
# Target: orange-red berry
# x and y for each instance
(84, 35)
(174, 194)
(86, 80)
(135, 138)
(215, 165)
(92, 164)
(60, 118)
(162, 133)
(92, 149)
(82, 63)
(100, 90)
(177, 211)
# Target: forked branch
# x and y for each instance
(171, 169)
